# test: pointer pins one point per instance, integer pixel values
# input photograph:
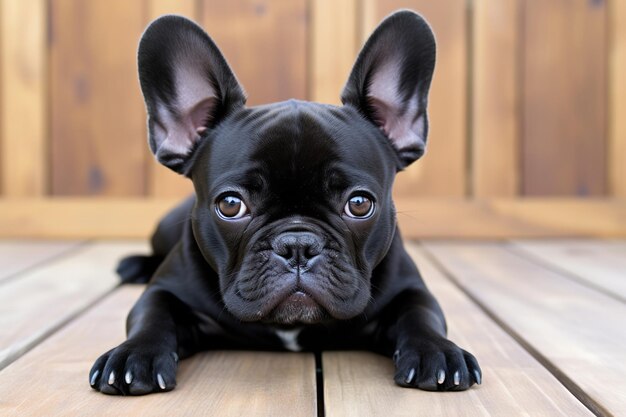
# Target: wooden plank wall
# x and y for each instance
(495, 108)
(527, 100)
(617, 98)
(564, 97)
(23, 158)
(96, 111)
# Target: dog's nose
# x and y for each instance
(298, 248)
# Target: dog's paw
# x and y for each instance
(134, 369)
(138, 269)
(438, 365)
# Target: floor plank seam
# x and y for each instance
(521, 253)
(10, 359)
(42, 263)
(319, 382)
(589, 402)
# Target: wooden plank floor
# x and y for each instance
(20, 255)
(544, 319)
(578, 331)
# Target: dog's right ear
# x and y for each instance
(187, 85)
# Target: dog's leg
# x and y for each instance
(415, 328)
(171, 227)
(139, 269)
(160, 328)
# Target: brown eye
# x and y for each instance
(231, 207)
(359, 206)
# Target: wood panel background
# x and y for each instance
(528, 98)
(96, 113)
(564, 97)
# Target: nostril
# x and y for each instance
(284, 246)
(287, 252)
(311, 251)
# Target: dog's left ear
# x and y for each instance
(390, 80)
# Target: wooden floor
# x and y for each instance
(546, 320)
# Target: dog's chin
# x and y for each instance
(297, 308)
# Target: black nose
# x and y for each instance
(298, 248)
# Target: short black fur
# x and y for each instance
(293, 258)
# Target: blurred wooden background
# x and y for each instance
(528, 105)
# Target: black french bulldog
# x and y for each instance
(290, 241)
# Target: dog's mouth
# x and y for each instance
(325, 287)
(298, 307)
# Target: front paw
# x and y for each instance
(437, 365)
(134, 368)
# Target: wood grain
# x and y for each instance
(213, 383)
(163, 182)
(440, 218)
(564, 103)
(98, 135)
(23, 112)
(442, 171)
(504, 218)
(334, 47)
(495, 98)
(20, 255)
(514, 384)
(579, 331)
(35, 304)
(602, 263)
(265, 42)
(67, 217)
(617, 98)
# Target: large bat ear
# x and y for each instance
(390, 80)
(187, 85)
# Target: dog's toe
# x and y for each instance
(165, 370)
(138, 377)
(95, 374)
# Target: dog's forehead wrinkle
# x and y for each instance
(296, 140)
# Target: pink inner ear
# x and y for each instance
(195, 105)
(196, 98)
(202, 114)
(381, 114)
(397, 120)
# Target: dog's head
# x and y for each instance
(294, 205)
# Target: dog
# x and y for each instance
(290, 241)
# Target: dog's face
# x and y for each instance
(294, 206)
(290, 213)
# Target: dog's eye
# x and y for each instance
(359, 206)
(231, 207)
